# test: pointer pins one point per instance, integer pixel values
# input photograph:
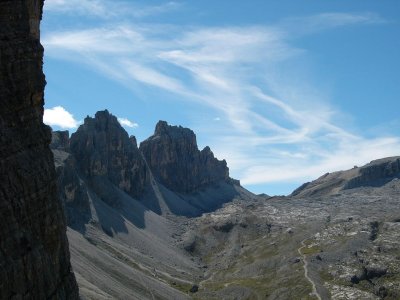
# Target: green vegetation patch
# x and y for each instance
(310, 250)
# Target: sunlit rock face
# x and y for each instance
(174, 159)
(376, 173)
(34, 255)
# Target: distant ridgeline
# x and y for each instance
(375, 174)
(101, 158)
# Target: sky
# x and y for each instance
(285, 91)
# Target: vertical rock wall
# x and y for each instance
(104, 151)
(34, 255)
(174, 158)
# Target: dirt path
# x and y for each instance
(305, 266)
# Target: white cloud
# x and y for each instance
(127, 123)
(157, 9)
(58, 116)
(118, 40)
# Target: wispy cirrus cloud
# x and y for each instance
(108, 9)
(93, 7)
(325, 21)
(265, 133)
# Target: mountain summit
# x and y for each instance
(103, 150)
(174, 158)
(168, 172)
(128, 200)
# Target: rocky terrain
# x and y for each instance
(341, 246)
(165, 220)
(34, 256)
(333, 238)
(126, 216)
(376, 173)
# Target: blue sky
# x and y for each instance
(285, 91)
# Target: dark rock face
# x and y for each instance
(60, 140)
(175, 160)
(72, 191)
(104, 151)
(34, 255)
(71, 188)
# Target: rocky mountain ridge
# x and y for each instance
(101, 150)
(120, 205)
(376, 173)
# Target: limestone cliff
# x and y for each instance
(104, 151)
(100, 160)
(175, 160)
(34, 255)
(72, 191)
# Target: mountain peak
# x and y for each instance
(103, 148)
(102, 120)
(161, 127)
(174, 158)
(103, 115)
(175, 132)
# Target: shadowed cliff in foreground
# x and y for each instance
(34, 255)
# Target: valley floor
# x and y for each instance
(344, 246)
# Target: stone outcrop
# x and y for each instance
(375, 174)
(71, 188)
(34, 255)
(104, 151)
(73, 192)
(175, 160)
(60, 140)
